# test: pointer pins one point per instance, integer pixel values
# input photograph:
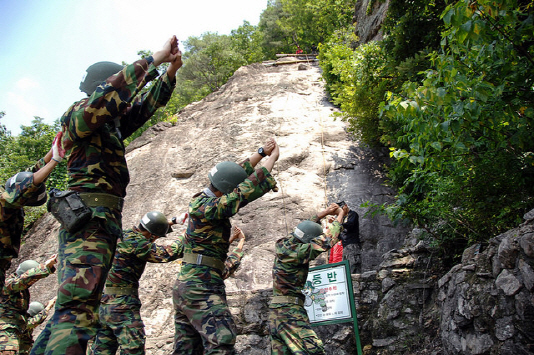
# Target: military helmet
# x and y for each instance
(307, 230)
(39, 196)
(26, 265)
(156, 223)
(34, 308)
(226, 176)
(98, 73)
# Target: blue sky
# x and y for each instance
(45, 46)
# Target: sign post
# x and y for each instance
(330, 297)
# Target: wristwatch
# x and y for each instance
(261, 152)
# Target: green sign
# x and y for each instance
(330, 296)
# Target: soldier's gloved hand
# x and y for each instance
(50, 304)
(58, 152)
(51, 263)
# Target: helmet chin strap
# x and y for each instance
(208, 192)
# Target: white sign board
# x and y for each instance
(328, 297)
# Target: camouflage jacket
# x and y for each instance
(12, 215)
(132, 254)
(15, 297)
(232, 263)
(208, 229)
(292, 261)
(34, 321)
(94, 127)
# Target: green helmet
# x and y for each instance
(26, 265)
(226, 176)
(98, 73)
(156, 223)
(35, 308)
(39, 196)
(307, 230)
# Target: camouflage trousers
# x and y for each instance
(84, 259)
(291, 333)
(120, 325)
(9, 340)
(26, 342)
(203, 323)
(5, 264)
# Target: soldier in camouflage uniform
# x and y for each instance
(94, 129)
(14, 301)
(202, 318)
(23, 189)
(289, 325)
(120, 309)
(26, 339)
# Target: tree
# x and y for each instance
(311, 22)
(209, 61)
(23, 151)
(247, 41)
(276, 38)
(464, 161)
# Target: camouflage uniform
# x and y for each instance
(26, 339)
(202, 316)
(233, 260)
(12, 220)
(289, 325)
(120, 309)
(93, 133)
(14, 302)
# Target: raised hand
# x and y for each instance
(58, 152)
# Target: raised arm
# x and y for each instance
(268, 147)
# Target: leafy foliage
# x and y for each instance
(275, 37)
(354, 79)
(449, 90)
(411, 27)
(23, 151)
(464, 161)
(312, 22)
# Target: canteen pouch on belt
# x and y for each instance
(69, 209)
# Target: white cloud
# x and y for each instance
(26, 84)
(21, 110)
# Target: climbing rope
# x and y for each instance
(324, 157)
(279, 180)
(284, 209)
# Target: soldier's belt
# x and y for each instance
(199, 259)
(96, 199)
(121, 291)
(287, 299)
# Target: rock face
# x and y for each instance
(486, 302)
(406, 302)
(319, 164)
(368, 16)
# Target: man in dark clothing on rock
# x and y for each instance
(350, 240)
